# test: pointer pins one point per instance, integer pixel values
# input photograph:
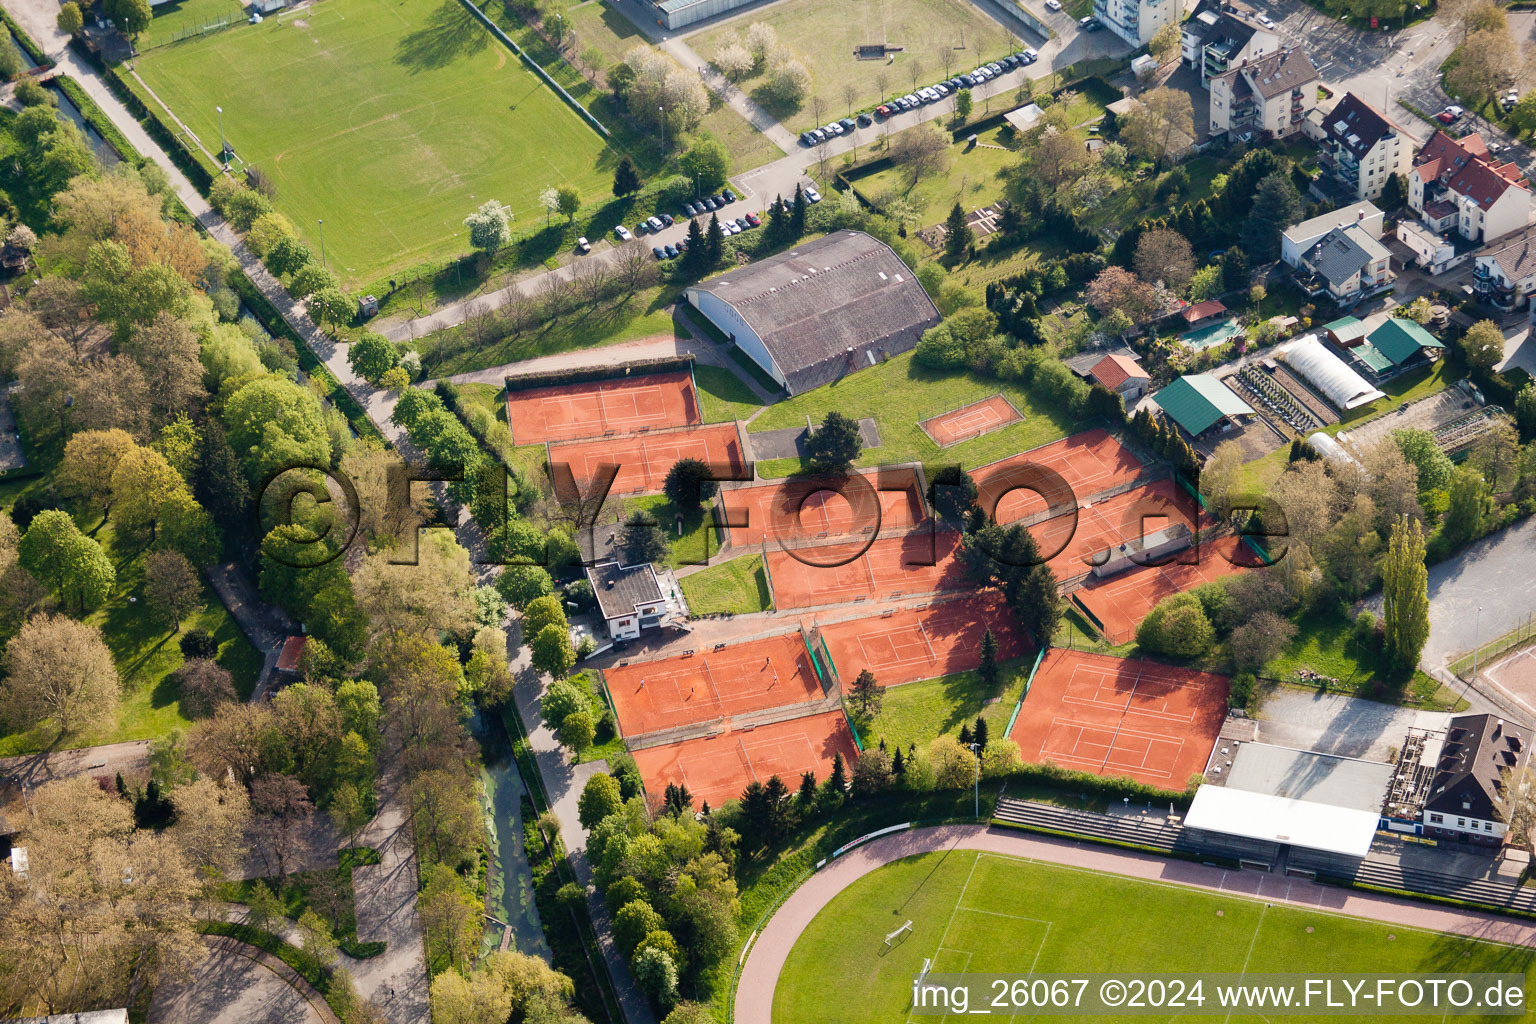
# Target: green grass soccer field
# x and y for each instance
(391, 121)
(989, 914)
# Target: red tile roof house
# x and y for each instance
(1458, 186)
(1122, 375)
(1203, 314)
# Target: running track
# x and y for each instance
(760, 976)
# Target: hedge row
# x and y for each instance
(549, 378)
(267, 315)
(25, 41)
(97, 118)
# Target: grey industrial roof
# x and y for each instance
(620, 589)
(812, 305)
(1310, 776)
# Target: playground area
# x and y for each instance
(922, 562)
(1088, 463)
(908, 645)
(971, 421)
(1120, 602)
(699, 687)
(567, 412)
(1111, 716)
(792, 511)
(717, 768)
(643, 460)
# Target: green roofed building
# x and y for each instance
(1393, 348)
(1198, 403)
(1345, 331)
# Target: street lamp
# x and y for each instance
(1477, 632)
(322, 241)
(223, 142)
(976, 750)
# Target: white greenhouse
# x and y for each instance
(1325, 371)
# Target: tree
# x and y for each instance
(131, 16)
(714, 241)
(688, 485)
(331, 306)
(490, 226)
(1523, 116)
(1419, 448)
(1177, 626)
(1165, 43)
(964, 104)
(445, 816)
(371, 356)
(642, 540)
(1166, 256)
(1220, 476)
(1496, 454)
(1160, 124)
(866, 693)
(551, 653)
(568, 202)
(958, 235)
(1394, 193)
(954, 765)
(1276, 206)
(428, 597)
(204, 685)
(599, 798)
(450, 914)
(171, 587)
(59, 670)
(761, 40)
(1234, 269)
(979, 734)
(625, 181)
(656, 973)
(66, 561)
(1464, 506)
(987, 669)
(1405, 594)
(70, 20)
(706, 162)
(788, 82)
(835, 445)
(920, 151)
(578, 730)
(733, 59)
(1116, 288)
(1483, 345)
(1488, 62)
(1260, 640)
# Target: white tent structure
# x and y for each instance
(1330, 449)
(1325, 371)
(1346, 831)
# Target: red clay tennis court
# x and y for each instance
(1112, 716)
(718, 768)
(1089, 463)
(1122, 601)
(644, 459)
(905, 646)
(1139, 512)
(971, 421)
(624, 405)
(654, 695)
(919, 563)
(771, 515)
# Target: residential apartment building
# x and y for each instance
(1458, 186)
(1219, 36)
(1504, 271)
(1358, 150)
(1137, 21)
(1269, 97)
(1299, 239)
(1347, 264)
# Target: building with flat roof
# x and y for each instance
(821, 311)
(629, 598)
(1220, 34)
(677, 13)
(1298, 239)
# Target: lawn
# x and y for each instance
(723, 396)
(328, 892)
(1326, 643)
(825, 33)
(391, 122)
(898, 394)
(146, 654)
(179, 18)
(736, 587)
(918, 712)
(692, 541)
(646, 314)
(974, 179)
(990, 914)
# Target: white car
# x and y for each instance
(623, 233)
(582, 245)
(811, 194)
(1265, 20)
(1053, 6)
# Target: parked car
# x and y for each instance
(818, 136)
(995, 68)
(1449, 114)
(883, 110)
(582, 245)
(754, 220)
(1010, 61)
(667, 220)
(654, 223)
(623, 233)
(1090, 24)
(1031, 55)
(730, 196)
(811, 194)
(849, 124)
(1509, 99)
(1053, 6)
(670, 250)
(729, 227)
(657, 252)
(864, 121)
(689, 210)
(741, 224)
(719, 198)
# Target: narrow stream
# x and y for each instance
(103, 149)
(509, 883)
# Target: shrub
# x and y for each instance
(1177, 627)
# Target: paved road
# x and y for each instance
(238, 984)
(760, 975)
(1333, 724)
(385, 897)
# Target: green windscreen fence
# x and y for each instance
(1028, 682)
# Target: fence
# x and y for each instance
(187, 30)
(1517, 637)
